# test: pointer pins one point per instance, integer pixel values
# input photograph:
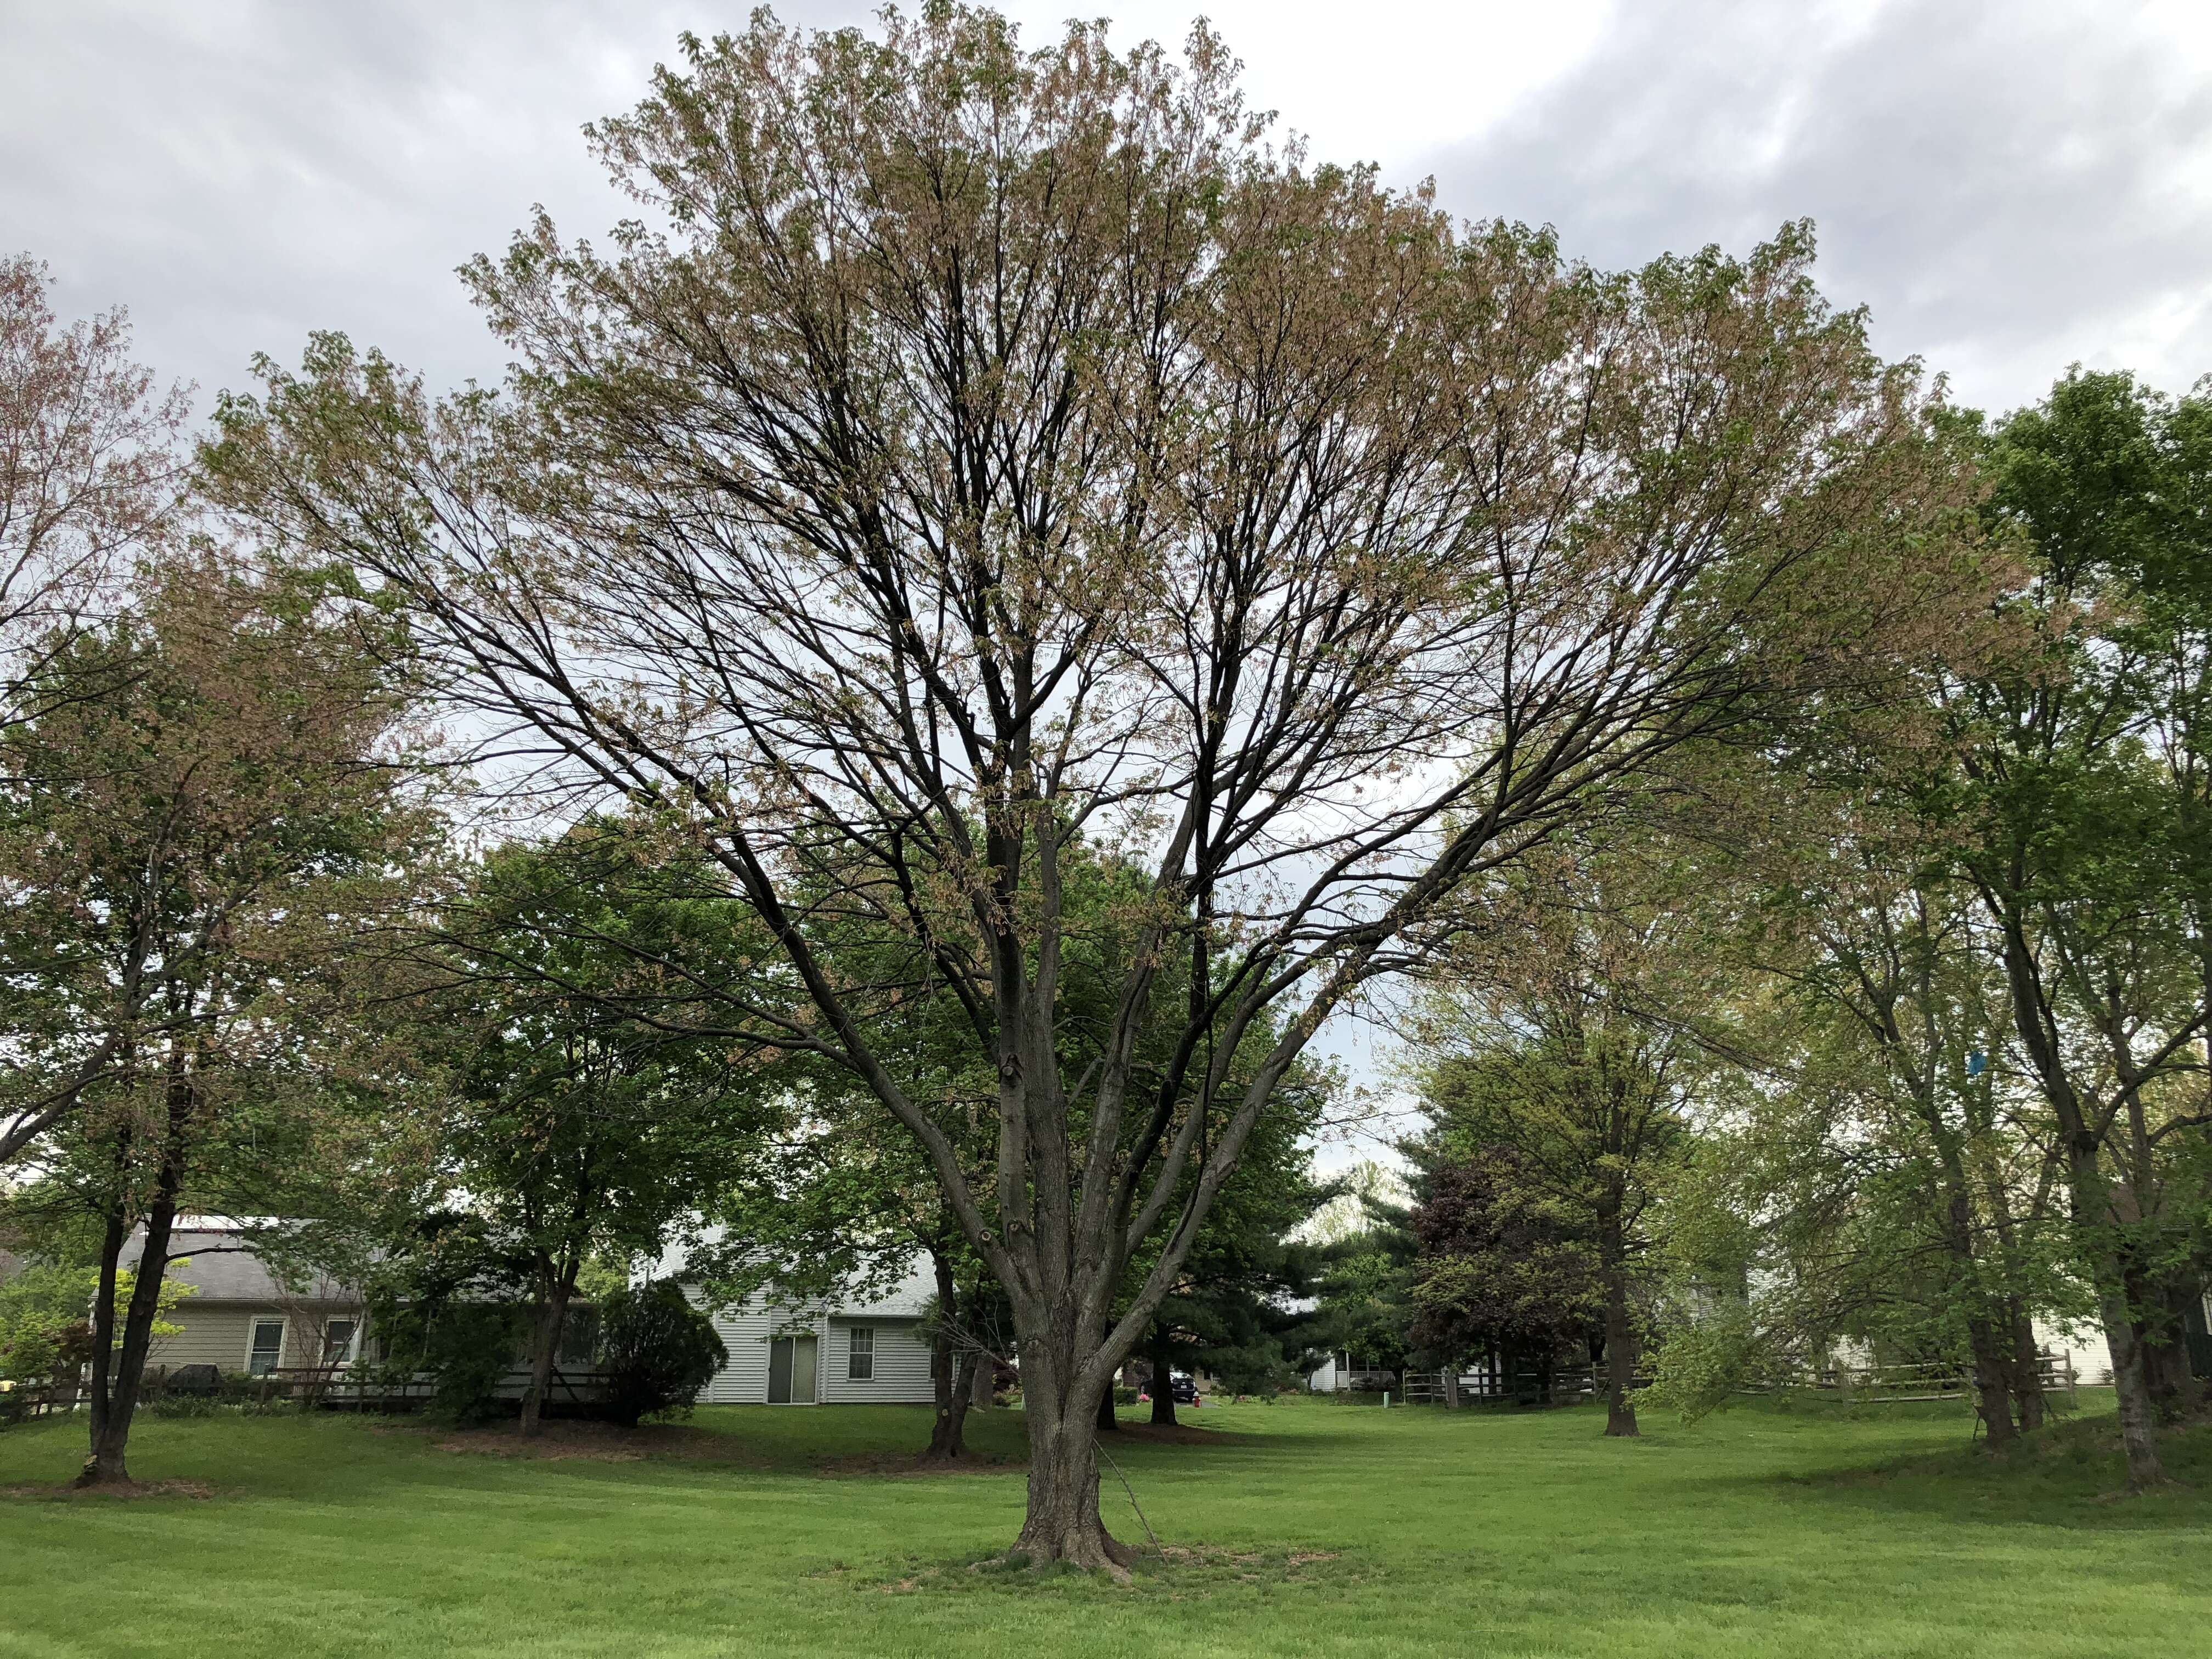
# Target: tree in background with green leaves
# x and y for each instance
(218, 791)
(588, 1114)
(1560, 1056)
(2078, 810)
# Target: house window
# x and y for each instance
(338, 1340)
(860, 1358)
(267, 1351)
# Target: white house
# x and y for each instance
(846, 1351)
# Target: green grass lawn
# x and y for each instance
(770, 1530)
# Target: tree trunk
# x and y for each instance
(554, 1290)
(2166, 1373)
(953, 1372)
(2090, 1203)
(103, 1323)
(1993, 1379)
(2026, 1370)
(1620, 1343)
(2138, 1416)
(979, 1392)
(1063, 1523)
(1164, 1405)
(106, 1465)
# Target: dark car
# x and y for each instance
(1181, 1389)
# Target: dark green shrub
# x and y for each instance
(657, 1351)
(464, 1348)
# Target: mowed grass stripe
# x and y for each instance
(1760, 1532)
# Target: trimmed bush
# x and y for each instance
(657, 1350)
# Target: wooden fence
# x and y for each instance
(1565, 1385)
(308, 1386)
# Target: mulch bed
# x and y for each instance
(1175, 1434)
(600, 1442)
(193, 1489)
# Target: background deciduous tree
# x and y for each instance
(88, 485)
(215, 822)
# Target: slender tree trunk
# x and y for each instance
(1620, 1344)
(1988, 1345)
(1621, 1357)
(1993, 1378)
(1164, 1405)
(2090, 1202)
(2166, 1373)
(1108, 1420)
(953, 1372)
(108, 1465)
(554, 1287)
(103, 1323)
(979, 1392)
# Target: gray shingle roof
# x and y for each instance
(220, 1269)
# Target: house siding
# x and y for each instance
(212, 1336)
(745, 1330)
(901, 1367)
(902, 1360)
(220, 1333)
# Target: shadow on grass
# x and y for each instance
(2071, 1474)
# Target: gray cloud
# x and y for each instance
(2008, 186)
(238, 174)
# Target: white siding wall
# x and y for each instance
(901, 1367)
(902, 1360)
(745, 1330)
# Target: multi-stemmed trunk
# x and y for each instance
(1060, 1399)
(1986, 1338)
(2093, 1218)
(952, 1371)
(952, 1384)
(119, 1372)
(555, 1285)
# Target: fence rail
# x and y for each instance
(330, 1386)
(1869, 1384)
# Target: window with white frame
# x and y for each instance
(265, 1351)
(860, 1357)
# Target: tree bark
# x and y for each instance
(1620, 1343)
(1063, 1523)
(953, 1372)
(2026, 1369)
(2138, 1416)
(108, 1465)
(555, 1288)
(1164, 1405)
(1993, 1378)
(103, 1323)
(2090, 1203)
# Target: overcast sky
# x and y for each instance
(2010, 186)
